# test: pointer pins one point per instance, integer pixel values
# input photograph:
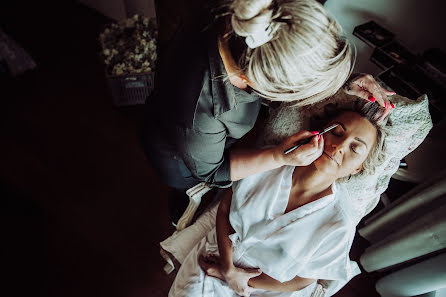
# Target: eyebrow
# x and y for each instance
(362, 141)
(356, 138)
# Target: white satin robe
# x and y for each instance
(312, 241)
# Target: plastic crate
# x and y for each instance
(130, 89)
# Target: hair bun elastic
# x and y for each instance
(257, 31)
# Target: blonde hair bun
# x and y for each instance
(253, 19)
(295, 50)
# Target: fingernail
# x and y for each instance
(314, 132)
(372, 99)
(385, 104)
(318, 137)
(391, 104)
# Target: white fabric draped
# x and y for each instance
(312, 241)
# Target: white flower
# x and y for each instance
(152, 44)
(129, 23)
(122, 52)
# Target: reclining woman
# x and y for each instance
(279, 231)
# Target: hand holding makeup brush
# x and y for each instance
(303, 155)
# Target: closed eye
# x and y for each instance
(339, 130)
(358, 148)
(335, 133)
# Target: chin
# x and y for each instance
(323, 164)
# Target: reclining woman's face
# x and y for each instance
(347, 146)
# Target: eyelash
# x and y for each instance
(351, 147)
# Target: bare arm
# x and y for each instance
(246, 162)
(224, 229)
(266, 282)
(237, 278)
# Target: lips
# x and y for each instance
(331, 158)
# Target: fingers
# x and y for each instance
(389, 93)
(366, 87)
(320, 147)
(312, 150)
(385, 113)
(300, 135)
(356, 90)
(210, 267)
(379, 94)
(253, 272)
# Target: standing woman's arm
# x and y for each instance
(248, 162)
(205, 156)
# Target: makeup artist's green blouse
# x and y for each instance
(196, 115)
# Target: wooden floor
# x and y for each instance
(83, 212)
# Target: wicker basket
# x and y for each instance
(130, 89)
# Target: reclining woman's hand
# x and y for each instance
(237, 278)
(305, 154)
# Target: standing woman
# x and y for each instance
(213, 75)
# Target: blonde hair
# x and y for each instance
(295, 51)
(373, 112)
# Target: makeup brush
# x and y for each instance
(307, 140)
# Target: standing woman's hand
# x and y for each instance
(305, 154)
(366, 87)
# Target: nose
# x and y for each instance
(336, 148)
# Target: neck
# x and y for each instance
(230, 65)
(310, 186)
